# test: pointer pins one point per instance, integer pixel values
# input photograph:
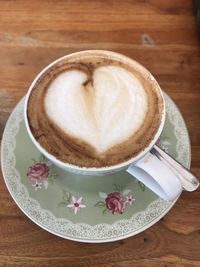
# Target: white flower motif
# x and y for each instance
(76, 204)
(130, 199)
(165, 148)
(164, 144)
(37, 185)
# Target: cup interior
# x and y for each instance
(95, 170)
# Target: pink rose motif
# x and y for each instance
(115, 202)
(38, 171)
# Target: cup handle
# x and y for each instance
(157, 176)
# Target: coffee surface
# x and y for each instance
(94, 110)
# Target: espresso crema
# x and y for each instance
(95, 109)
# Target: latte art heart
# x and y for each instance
(103, 112)
(94, 109)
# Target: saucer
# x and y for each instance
(85, 208)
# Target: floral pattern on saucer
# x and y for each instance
(164, 144)
(115, 202)
(72, 202)
(89, 225)
(41, 173)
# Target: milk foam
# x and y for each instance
(103, 113)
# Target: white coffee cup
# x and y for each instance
(145, 166)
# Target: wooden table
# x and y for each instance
(162, 35)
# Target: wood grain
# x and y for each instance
(162, 35)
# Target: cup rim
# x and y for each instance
(111, 168)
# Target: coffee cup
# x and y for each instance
(98, 112)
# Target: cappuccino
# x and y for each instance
(95, 109)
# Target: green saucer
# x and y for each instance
(84, 208)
